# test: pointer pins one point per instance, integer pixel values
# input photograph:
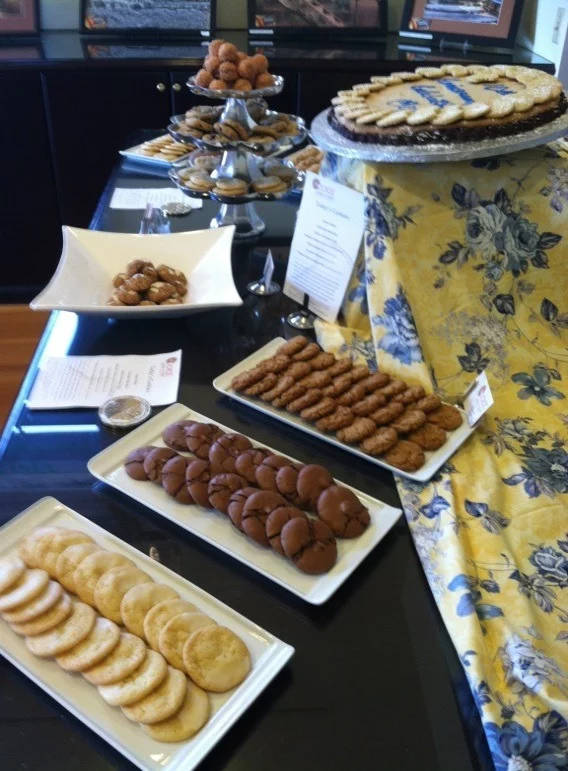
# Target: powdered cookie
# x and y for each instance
(357, 431)
(31, 583)
(161, 703)
(139, 600)
(409, 396)
(48, 620)
(158, 616)
(369, 404)
(40, 604)
(69, 560)
(341, 417)
(101, 640)
(189, 719)
(65, 635)
(307, 353)
(343, 512)
(380, 442)
(354, 394)
(123, 660)
(176, 632)
(386, 414)
(113, 585)
(216, 659)
(11, 569)
(149, 675)
(447, 417)
(92, 568)
(429, 437)
(409, 421)
(406, 456)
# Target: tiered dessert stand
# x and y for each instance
(240, 159)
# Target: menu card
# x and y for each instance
(64, 382)
(328, 233)
(140, 197)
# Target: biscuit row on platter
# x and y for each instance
(264, 496)
(382, 414)
(164, 148)
(152, 685)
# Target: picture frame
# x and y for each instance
(171, 18)
(471, 22)
(318, 18)
(19, 18)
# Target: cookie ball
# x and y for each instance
(119, 280)
(138, 282)
(228, 71)
(215, 45)
(264, 81)
(242, 84)
(228, 53)
(247, 70)
(241, 55)
(343, 512)
(160, 291)
(137, 266)
(260, 62)
(211, 65)
(218, 85)
(203, 78)
(310, 544)
(128, 296)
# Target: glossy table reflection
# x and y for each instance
(375, 682)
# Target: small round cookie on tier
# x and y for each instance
(230, 187)
(269, 186)
(343, 512)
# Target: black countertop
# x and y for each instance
(375, 681)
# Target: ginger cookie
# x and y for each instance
(409, 421)
(158, 616)
(266, 384)
(429, 403)
(368, 404)
(310, 397)
(40, 604)
(274, 364)
(226, 449)
(393, 388)
(256, 511)
(308, 352)
(101, 640)
(299, 370)
(161, 703)
(407, 456)
(246, 379)
(248, 461)
(359, 372)
(384, 415)
(322, 361)
(293, 346)
(316, 380)
(375, 381)
(149, 675)
(25, 589)
(113, 585)
(285, 382)
(319, 410)
(340, 367)
(187, 721)
(429, 437)
(312, 481)
(380, 442)
(360, 429)
(216, 659)
(11, 569)
(343, 512)
(276, 521)
(139, 600)
(310, 544)
(174, 634)
(90, 570)
(65, 635)
(121, 662)
(290, 395)
(48, 620)
(354, 394)
(340, 418)
(447, 417)
(409, 396)
(69, 560)
(339, 386)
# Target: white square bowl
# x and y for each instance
(90, 259)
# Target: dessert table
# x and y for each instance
(375, 681)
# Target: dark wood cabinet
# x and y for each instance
(92, 115)
(30, 228)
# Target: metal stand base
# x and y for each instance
(243, 216)
(260, 288)
(301, 319)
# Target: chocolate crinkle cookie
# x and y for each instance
(310, 544)
(224, 452)
(134, 463)
(174, 435)
(343, 512)
(248, 461)
(256, 511)
(155, 460)
(220, 489)
(268, 469)
(173, 479)
(312, 481)
(236, 505)
(200, 437)
(276, 521)
(198, 475)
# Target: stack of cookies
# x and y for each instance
(164, 148)
(265, 496)
(383, 415)
(308, 159)
(227, 67)
(104, 632)
(204, 122)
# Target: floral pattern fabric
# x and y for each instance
(464, 269)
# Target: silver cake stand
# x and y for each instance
(329, 139)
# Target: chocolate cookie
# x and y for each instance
(343, 512)
(274, 364)
(226, 449)
(319, 409)
(406, 456)
(287, 485)
(220, 489)
(276, 521)
(154, 462)
(173, 479)
(355, 393)
(360, 429)
(236, 505)
(340, 367)
(340, 385)
(428, 437)
(312, 481)
(380, 442)
(174, 435)
(374, 381)
(134, 463)
(322, 361)
(386, 414)
(283, 384)
(267, 382)
(290, 395)
(200, 437)
(198, 475)
(246, 379)
(360, 372)
(307, 353)
(266, 472)
(393, 388)
(299, 370)
(447, 417)
(311, 396)
(248, 461)
(340, 418)
(429, 403)
(256, 510)
(293, 346)
(409, 396)
(310, 545)
(367, 405)
(410, 420)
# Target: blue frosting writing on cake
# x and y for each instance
(404, 104)
(431, 94)
(455, 88)
(499, 88)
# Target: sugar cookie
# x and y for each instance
(113, 585)
(24, 589)
(158, 616)
(101, 640)
(58, 613)
(69, 560)
(161, 703)
(32, 540)
(92, 568)
(216, 659)
(40, 604)
(139, 600)
(128, 655)
(65, 635)
(11, 568)
(191, 717)
(149, 675)
(49, 549)
(176, 632)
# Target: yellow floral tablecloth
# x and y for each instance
(465, 269)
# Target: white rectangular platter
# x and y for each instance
(134, 154)
(434, 460)
(268, 655)
(217, 530)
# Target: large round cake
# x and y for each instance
(447, 103)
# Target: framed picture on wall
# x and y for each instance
(477, 22)
(145, 17)
(19, 17)
(347, 18)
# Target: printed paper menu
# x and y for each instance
(329, 228)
